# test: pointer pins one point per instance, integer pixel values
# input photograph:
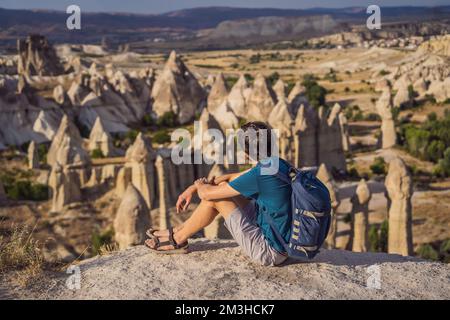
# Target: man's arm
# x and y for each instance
(227, 177)
(208, 191)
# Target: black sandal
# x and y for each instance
(177, 248)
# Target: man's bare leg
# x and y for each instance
(202, 216)
(205, 213)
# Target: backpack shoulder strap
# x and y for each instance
(292, 171)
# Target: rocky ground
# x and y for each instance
(218, 270)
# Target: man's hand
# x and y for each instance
(185, 198)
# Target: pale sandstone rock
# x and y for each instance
(331, 151)
(280, 90)
(344, 131)
(122, 181)
(305, 137)
(100, 139)
(132, 219)
(325, 177)
(440, 89)
(296, 91)
(238, 96)
(399, 187)
(164, 205)
(47, 124)
(37, 57)
(218, 93)
(65, 185)
(402, 96)
(226, 117)
(33, 157)
(360, 218)
(60, 96)
(261, 100)
(66, 147)
(280, 118)
(140, 157)
(177, 90)
(384, 109)
(420, 86)
(333, 274)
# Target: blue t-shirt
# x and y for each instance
(271, 194)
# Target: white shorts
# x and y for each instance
(243, 227)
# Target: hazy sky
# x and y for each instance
(159, 6)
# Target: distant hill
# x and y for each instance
(181, 24)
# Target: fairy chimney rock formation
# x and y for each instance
(305, 137)
(280, 90)
(140, 158)
(163, 183)
(331, 151)
(176, 90)
(33, 157)
(123, 179)
(237, 98)
(100, 139)
(296, 91)
(399, 187)
(360, 217)
(325, 177)
(384, 109)
(218, 93)
(261, 100)
(66, 147)
(60, 96)
(46, 124)
(37, 57)
(132, 219)
(281, 120)
(65, 185)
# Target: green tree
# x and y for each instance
(384, 232)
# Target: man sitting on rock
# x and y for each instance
(241, 199)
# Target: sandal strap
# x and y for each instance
(172, 240)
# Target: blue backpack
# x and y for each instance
(311, 214)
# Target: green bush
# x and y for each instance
(383, 72)
(383, 240)
(426, 251)
(444, 164)
(231, 81)
(168, 119)
(97, 154)
(373, 239)
(99, 239)
(378, 166)
(42, 151)
(148, 121)
(161, 137)
(273, 78)
(132, 135)
(315, 93)
(255, 58)
(25, 190)
(428, 141)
